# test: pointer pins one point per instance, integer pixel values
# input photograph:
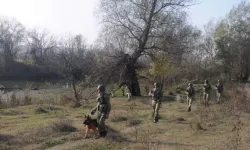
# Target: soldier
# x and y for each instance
(219, 89)
(103, 107)
(190, 95)
(207, 89)
(156, 94)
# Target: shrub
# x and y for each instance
(117, 118)
(63, 126)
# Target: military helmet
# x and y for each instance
(206, 81)
(156, 84)
(190, 84)
(101, 88)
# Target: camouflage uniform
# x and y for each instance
(156, 94)
(190, 95)
(207, 90)
(219, 89)
(103, 107)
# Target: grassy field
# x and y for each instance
(47, 126)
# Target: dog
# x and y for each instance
(91, 125)
(129, 95)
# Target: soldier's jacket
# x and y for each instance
(103, 105)
(156, 94)
(207, 88)
(219, 87)
(190, 91)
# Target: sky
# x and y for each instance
(77, 16)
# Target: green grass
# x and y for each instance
(52, 143)
(216, 126)
(100, 147)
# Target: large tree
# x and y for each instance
(233, 42)
(144, 26)
(11, 38)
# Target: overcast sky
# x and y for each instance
(76, 16)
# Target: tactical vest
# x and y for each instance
(190, 91)
(103, 107)
(156, 94)
(219, 88)
(207, 88)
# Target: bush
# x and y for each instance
(63, 126)
(49, 144)
(196, 126)
(13, 100)
(27, 98)
(238, 103)
(47, 109)
(41, 110)
(171, 93)
(117, 118)
(133, 122)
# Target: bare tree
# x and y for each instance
(77, 64)
(11, 37)
(41, 46)
(209, 48)
(146, 25)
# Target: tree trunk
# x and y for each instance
(77, 101)
(134, 89)
(132, 80)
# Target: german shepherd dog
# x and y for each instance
(91, 125)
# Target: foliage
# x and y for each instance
(161, 69)
(232, 40)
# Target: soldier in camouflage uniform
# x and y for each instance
(219, 89)
(156, 94)
(190, 95)
(103, 107)
(207, 90)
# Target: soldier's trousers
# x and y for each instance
(156, 106)
(206, 98)
(189, 100)
(101, 117)
(218, 97)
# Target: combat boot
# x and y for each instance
(156, 120)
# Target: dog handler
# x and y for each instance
(103, 107)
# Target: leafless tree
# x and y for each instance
(77, 64)
(11, 37)
(41, 46)
(144, 26)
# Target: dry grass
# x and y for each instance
(63, 126)
(224, 126)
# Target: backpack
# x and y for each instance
(207, 87)
(191, 91)
(220, 88)
(157, 94)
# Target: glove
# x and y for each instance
(92, 112)
(107, 116)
